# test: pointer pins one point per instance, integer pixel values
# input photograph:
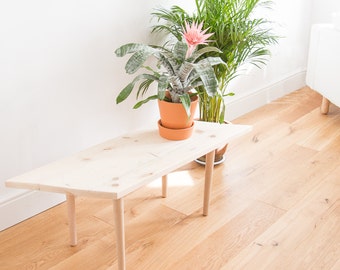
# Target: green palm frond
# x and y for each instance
(163, 15)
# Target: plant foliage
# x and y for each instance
(241, 37)
(174, 71)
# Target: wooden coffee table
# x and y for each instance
(122, 165)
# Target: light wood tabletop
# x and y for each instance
(116, 168)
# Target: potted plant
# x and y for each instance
(241, 37)
(180, 69)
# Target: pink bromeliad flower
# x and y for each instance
(194, 36)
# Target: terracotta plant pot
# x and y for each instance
(175, 134)
(174, 119)
(219, 154)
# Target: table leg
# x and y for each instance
(209, 169)
(118, 210)
(324, 105)
(164, 186)
(70, 199)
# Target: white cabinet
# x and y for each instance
(323, 70)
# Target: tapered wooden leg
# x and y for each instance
(118, 210)
(324, 106)
(209, 169)
(70, 199)
(164, 186)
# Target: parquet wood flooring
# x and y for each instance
(275, 205)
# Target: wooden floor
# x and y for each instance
(275, 205)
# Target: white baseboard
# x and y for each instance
(26, 205)
(241, 104)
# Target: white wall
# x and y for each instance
(323, 9)
(59, 78)
(58, 82)
(285, 71)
